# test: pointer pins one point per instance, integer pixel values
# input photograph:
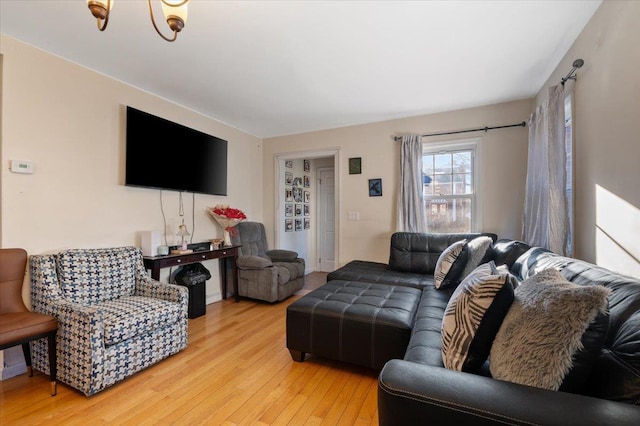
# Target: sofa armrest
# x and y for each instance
(148, 287)
(81, 328)
(282, 255)
(253, 262)
(410, 393)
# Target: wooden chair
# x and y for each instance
(19, 326)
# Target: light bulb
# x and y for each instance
(176, 8)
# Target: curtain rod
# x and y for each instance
(479, 129)
(576, 64)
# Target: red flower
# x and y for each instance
(228, 212)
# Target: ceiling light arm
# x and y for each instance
(100, 13)
(175, 22)
(182, 3)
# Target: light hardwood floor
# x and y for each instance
(236, 370)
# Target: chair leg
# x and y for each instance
(53, 363)
(26, 350)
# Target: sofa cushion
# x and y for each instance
(506, 252)
(95, 275)
(375, 272)
(280, 255)
(473, 316)
(295, 269)
(425, 346)
(543, 330)
(418, 253)
(450, 265)
(253, 262)
(133, 316)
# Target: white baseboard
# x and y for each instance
(9, 371)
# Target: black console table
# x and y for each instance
(227, 253)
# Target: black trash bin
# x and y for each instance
(193, 277)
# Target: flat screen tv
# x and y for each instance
(165, 155)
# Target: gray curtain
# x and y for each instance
(546, 219)
(411, 214)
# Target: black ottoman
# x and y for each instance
(361, 323)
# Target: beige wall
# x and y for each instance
(502, 173)
(607, 151)
(70, 122)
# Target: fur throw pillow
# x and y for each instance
(543, 330)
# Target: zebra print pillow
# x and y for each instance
(450, 264)
(473, 317)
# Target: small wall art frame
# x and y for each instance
(355, 166)
(375, 187)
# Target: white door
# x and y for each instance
(326, 219)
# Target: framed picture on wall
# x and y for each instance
(298, 209)
(297, 195)
(288, 225)
(307, 166)
(288, 164)
(288, 178)
(307, 210)
(288, 194)
(307, 181)
(307, 196)
(307, 223)
(375, 187)
(355, 166)
(298, 224)
(288, 210)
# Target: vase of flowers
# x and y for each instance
(227, 217)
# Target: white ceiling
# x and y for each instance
(280, 67)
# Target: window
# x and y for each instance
(449, 183)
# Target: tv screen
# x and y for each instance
(166, 155)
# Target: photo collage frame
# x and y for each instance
(297, 197)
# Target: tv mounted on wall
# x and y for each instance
(165, 155)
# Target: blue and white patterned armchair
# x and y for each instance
(114, 320)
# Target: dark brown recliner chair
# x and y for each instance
(19, 326)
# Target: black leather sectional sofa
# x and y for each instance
(415, 388)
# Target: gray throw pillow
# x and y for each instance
(543, 330)
(477, 250)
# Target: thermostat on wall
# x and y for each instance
(19, 166)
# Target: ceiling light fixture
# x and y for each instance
(175, 12)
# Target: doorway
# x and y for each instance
(307, 241)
